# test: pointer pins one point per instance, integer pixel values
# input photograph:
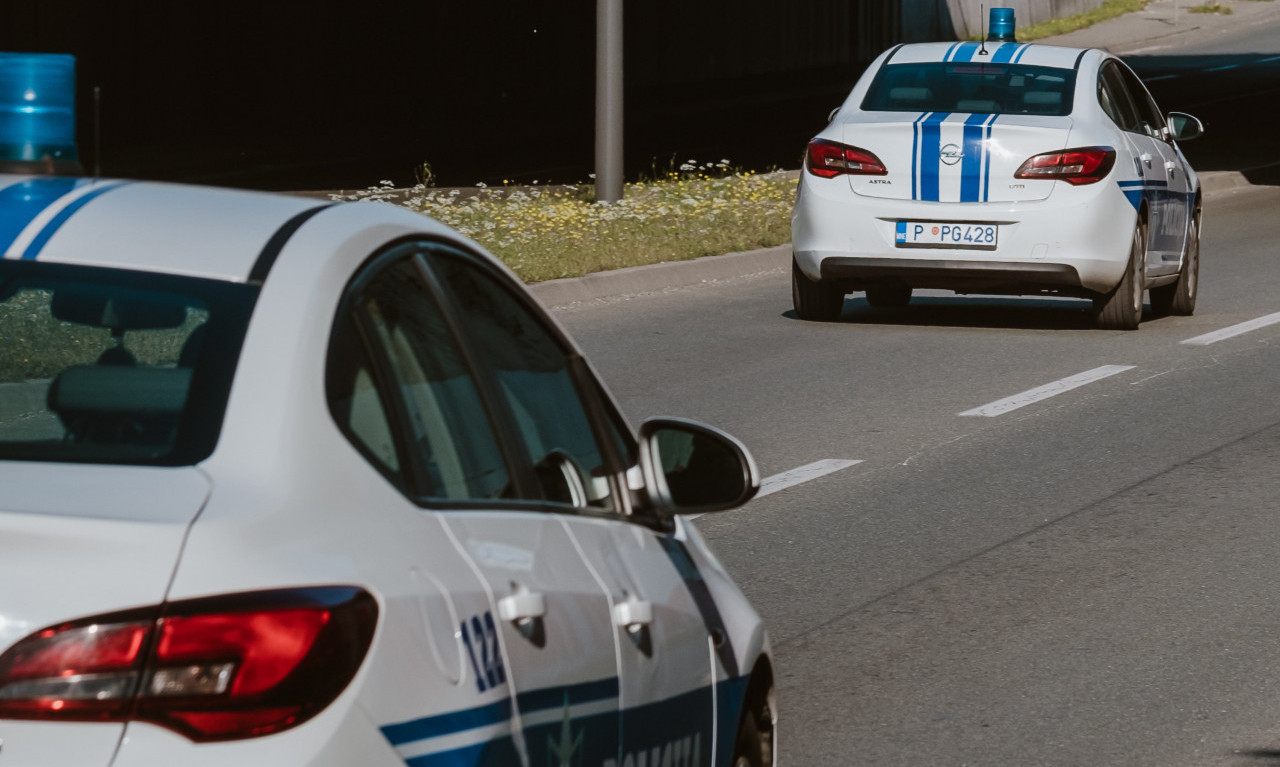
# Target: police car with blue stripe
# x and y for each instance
(285, 482)
(996, 167)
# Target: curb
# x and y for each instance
(659, 278)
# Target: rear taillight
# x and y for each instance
(828, 159)
(218, 668)
(1075, 166)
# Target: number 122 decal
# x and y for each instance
(480, 635)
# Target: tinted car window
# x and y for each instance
(114, 366)
(357, 404)
(445, 427)
(971, 87)
(1149, 116)
(534, 377)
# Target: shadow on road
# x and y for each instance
(1235, 96)
(1005, 313)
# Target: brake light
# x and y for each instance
(219, 668)
(1075, 166)
(827, 159)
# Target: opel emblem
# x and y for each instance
(951, 154)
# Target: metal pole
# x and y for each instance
(608, 100)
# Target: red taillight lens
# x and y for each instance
(212, 669)
(828, 159)
(1075, 166)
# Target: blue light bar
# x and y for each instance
(1001, 25)
(37, 110)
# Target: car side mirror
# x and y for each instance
(1184, 127)
(690, 467)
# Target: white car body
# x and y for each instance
(956, 169)
(517, 632)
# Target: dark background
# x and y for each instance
(332, 95)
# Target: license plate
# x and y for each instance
(933, 234)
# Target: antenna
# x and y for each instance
(97, 131)
(982, 28)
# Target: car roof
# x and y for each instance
(173, 228)
(1029, 54)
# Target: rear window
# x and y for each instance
(113, 366)
(971, 87)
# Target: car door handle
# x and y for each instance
(633, 613)
(525, 606)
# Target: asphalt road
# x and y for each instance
(1088, 578)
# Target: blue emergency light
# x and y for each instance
(37, 112)
(1001, 25)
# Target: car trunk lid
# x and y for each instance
(954, 157)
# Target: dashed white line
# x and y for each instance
(801, 474)
(1233, 331)
(1000, 407)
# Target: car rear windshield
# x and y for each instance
(971, 87)
(114, 366)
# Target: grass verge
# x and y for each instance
(544, 233)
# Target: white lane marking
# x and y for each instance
(809, 471)
(1233, 331)
(1000, 407)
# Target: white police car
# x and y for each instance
(1002, 168)
(291, 482)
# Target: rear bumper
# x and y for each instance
(961, 276)
(1074, 242)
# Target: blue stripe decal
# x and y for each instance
(23, 201)
(1023, 51)
(558, 697)
(1004, 53)
(974, 149)
(915, 156)
(931, 155)
(986, 165)
(447, 724)
(951, 50)
(966, 52)
(51, 228)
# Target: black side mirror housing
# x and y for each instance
(692, 468)
(1184, 127)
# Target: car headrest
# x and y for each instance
(108, 389)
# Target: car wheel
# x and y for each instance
(1180, 297)
(1121, 309)
(889, 296)
(815, 301)
(748, 749)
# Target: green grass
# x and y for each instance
(1108, 10)
(545, 233)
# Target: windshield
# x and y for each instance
(971, 87)
(113, 366)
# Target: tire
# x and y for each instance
(1180, 297)
(814, 301)
(748, 748)
(1121, 309)
(888, 296)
